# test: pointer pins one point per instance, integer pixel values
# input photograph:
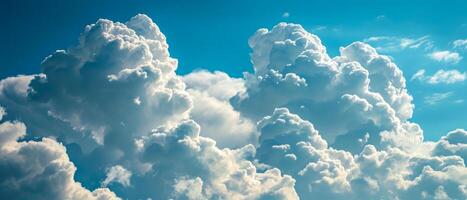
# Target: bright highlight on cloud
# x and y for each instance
(110, 118)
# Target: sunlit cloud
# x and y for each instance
(445, 56)
(440, 77)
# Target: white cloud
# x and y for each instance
(318, 87)
(285, 15)
(440, 77)
(437, 97)
(460, 44)
(117, 174)
(391, 43)
(38, 169)
(212, 110)
(128, 122)
(454, 143)
(104, 96)
(294, 146)
(445, 56)
(184, 159)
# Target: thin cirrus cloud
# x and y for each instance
(440, 77)
(445, 56)
(460, 44)
(117, 122)
(435, 98)
(392, 43)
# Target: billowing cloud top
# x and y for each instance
(109, 118)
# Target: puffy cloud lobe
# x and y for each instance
(296, 148)
(118, 83)
(38, 169)
(455, 143)
(364, 90)
(93, 86)
(211, 93)
(183, 161)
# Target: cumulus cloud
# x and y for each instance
(360, 87)
(301, 125)
(38, 169)
(211, 93)
(183, 159)
(440, 77)
(117, 87)
(445, 56)
(296, 147)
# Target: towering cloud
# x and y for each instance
(356, 94)
(117, 104)
(302, 125)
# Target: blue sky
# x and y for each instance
(213, 36)
(93, 104)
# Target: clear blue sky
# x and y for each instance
(213, 36)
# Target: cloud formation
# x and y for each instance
(445, 56)
(302, 125)
(440, 76)
(461, 44)
(391, 43)
(360, 87)
(437, 97)
(38, 169)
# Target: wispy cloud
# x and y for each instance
(435, 98)
(441, 76)
(460, 44)
(390, 43)
(445, 56)
(285, 15)
(381, 17)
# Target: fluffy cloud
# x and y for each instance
(180, 159)
(445, 56)
(211, 93)
(440, 76)
(38, 169)
(294, 146)
(302, 125)
(454, 143)
(103, 97)
(364, 90)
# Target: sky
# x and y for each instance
(356, 84)
(213, 36)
